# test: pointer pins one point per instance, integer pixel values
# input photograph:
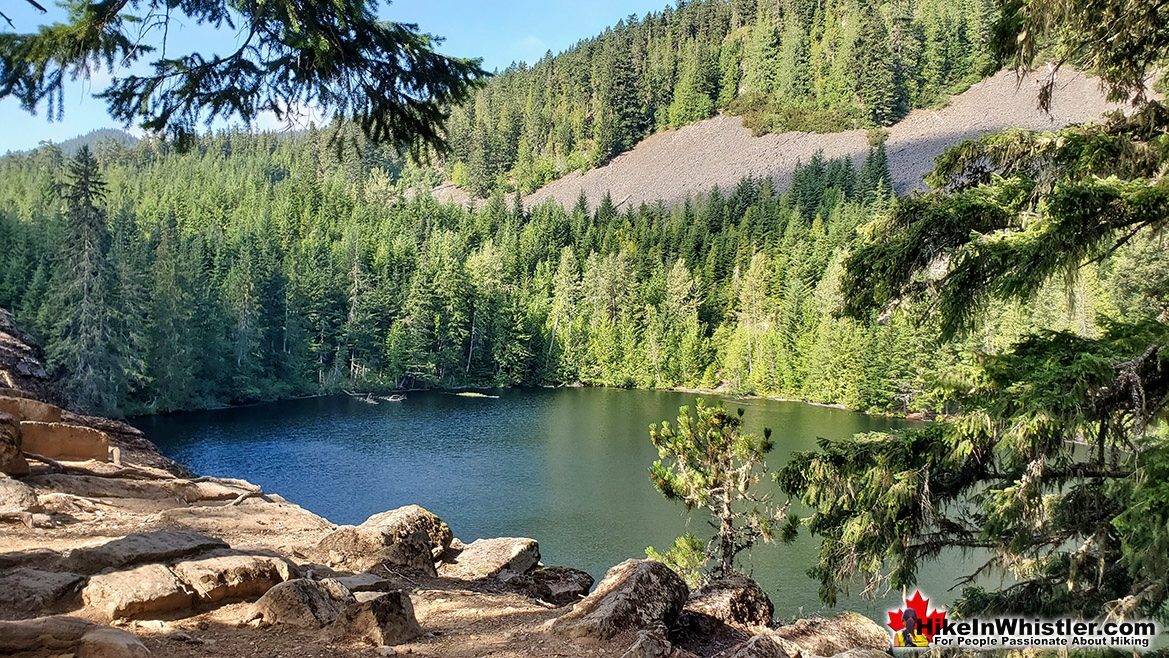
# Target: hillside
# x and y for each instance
(674, 164)
(91, 139)
(792, 65)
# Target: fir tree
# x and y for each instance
(83, 341)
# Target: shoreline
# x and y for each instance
(916, 416)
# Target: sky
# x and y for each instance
(498, 32)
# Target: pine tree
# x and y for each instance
(792, 80)
(1053, 465)
(875, 71)
(84, 338)
(342, 58)
(707, 462)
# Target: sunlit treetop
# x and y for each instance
(335, 57)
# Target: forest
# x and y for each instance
(262, 267)
(790, 65)
(1024, 294)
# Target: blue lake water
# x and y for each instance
(565, 466)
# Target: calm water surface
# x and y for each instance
(565, 466)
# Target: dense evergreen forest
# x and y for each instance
(259, 267)
(783, 65)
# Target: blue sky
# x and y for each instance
(499, 32)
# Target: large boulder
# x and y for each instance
(302, 602)
(146, 591)
(12, 461)
(635, 594)
(228, 574)
(835, 635)
(381, 620)
(735, 600)
(556, 585)
(64, 441)
(34, 590)
(492, 558)
(23, 408)
(407, 537)
(413, 516)
(83, 639)
(16, 497)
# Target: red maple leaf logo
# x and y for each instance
(929, 620)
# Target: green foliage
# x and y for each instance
(307, 270)
(764, 116)
(1005, 478)
(706, 462)
(336, 56)
(687, 558)
(1052, 464)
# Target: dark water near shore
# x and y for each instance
(566, 466)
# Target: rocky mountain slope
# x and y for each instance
(110, 550)
(674, 164)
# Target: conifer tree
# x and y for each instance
(875, 72)
(1051, 464)
(706, 462)
(84, 337)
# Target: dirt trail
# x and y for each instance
(674, 164)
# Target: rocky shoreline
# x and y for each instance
(109, 549)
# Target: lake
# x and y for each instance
(567, 467)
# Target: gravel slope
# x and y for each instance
(674, 164)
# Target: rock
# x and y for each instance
(15, 496)
(34, 590)
(228, 574)
(362, 548)
(23, 408)
(148, 590)
(556, 585)
(734, 600)
(410, 517)
(493, 558)
(828, 637)
(106, 642)
(12, 461)
(178, 492)
(64, 441)
(650, 643)
(302, 602)
(84, 639)
(335, 589)
(386, 619)
(141, 548)
(364, 582)
(766, 645)
(633, 594)
(16, 393)
(299, 529)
